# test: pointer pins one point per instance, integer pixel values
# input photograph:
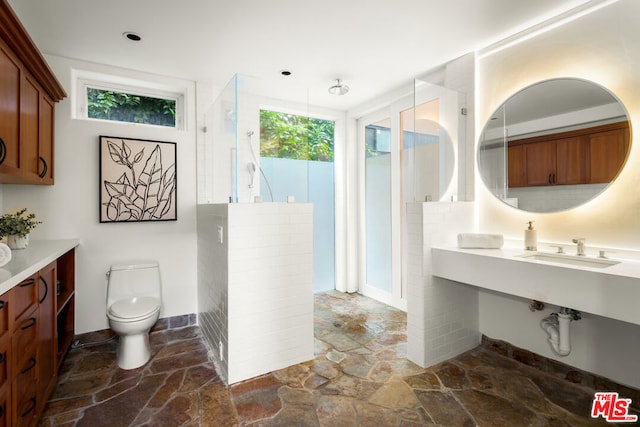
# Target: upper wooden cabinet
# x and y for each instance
(586, 156)
(9, 111)
(28, 92)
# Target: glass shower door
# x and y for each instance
(378, 206)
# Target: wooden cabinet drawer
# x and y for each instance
(25, 296)
(5, 319)
(5, 362)
(25, 390)
(25, 336)
(5, 405)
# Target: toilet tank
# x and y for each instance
(133, 279)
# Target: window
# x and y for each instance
(98, 96)
(378, 139)
(290, 136)
(128, 107)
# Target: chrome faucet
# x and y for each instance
(580, 242)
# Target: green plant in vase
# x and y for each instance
(16, 228)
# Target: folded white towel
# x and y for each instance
(480, 241)
(5, 254)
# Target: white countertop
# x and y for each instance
(25, 262)
(627, 267)
(611, 292)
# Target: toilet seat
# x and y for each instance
(134, 309)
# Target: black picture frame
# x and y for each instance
(138, 180)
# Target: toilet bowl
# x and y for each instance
(133, 307)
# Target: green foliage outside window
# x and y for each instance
(295, 137)
(126, 107)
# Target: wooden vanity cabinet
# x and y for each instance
(65, 304)
(28, 93)
(24, 351)
(6, 328)
(47, 366)
(5, 405)
(30, 345)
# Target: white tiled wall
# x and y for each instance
(442, 316)
(259, 302)
(213, 291)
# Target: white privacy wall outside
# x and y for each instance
(256, 287)
(307, 181)
(442, 315)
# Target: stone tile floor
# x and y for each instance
(360, 377)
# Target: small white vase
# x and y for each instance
(18, 242)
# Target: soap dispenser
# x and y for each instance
(530, 238)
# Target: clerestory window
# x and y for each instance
(118, 99)
(118, 106)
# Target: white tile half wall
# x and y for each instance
(255, 288)
(442, 315)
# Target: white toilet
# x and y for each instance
(133, 306)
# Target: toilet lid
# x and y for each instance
(134, 307)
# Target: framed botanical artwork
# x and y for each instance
(138, 180)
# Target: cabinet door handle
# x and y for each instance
(549, 180)
(3, 151)
(46, 289)
(28, 282)
(3, 304)
(32, 321)
(45, 168)
(32, 364)
(31, 407)
(2, 357)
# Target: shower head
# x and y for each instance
(251, 167)
(339, 88)
(250, 133)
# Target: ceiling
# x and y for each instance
(375, 46)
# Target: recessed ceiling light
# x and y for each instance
(285, 72)
(132, 36)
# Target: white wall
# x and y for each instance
(256, 286)
(603, 47)
(69, 209)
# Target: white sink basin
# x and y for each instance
(600, 286)
(570, 259)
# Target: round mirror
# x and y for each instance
(554, 145)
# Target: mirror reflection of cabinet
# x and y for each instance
(555, 162)
(554, 145)
(588, 156)
(607, 153)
